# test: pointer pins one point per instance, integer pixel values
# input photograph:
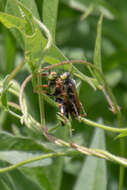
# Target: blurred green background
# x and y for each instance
(75, 37)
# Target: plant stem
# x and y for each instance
(14, 114)
(41, 104)
(121, 178)
(87, 151)
(50, 155)
(14, 105)
(21, 93)
(47, 32)
(122, 148)
(107, 128)
(15, 71)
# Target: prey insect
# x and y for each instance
(62, 88)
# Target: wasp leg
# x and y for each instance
(83, 114)
(62, 118)
(74, 110)
(40, 86)
(63, 113)
(41, 92)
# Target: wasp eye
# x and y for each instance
(52, 76)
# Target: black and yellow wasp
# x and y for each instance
(62, 88)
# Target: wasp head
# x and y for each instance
(52, 76)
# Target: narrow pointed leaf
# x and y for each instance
(50, 9)
(27, 15)
(97, 51)
(93, 172)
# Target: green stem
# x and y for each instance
(105, 127)
(122, 148)
(15, 71)
(14, 114)
(41, 103)
(14, 105)
(47, 32)
(121, 177)
(54, 128)
(50, 155)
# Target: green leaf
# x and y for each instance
(11, 142)
(40, 176)
(4, 99)
(10, 51)
(93, 172)
(3, 185)
(84, 77)
(33, 39)
(97, 51)
(34, 46)
(17, 180)
(49, 100)
(50, 9)
(27, 15)
(10, 21)
(31, 5)
(4, 91)
(34, 143)
(56, 177)
(54, 55)
(34, 42)
(12, 8)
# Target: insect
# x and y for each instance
(62, 88)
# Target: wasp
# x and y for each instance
(62, 87)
